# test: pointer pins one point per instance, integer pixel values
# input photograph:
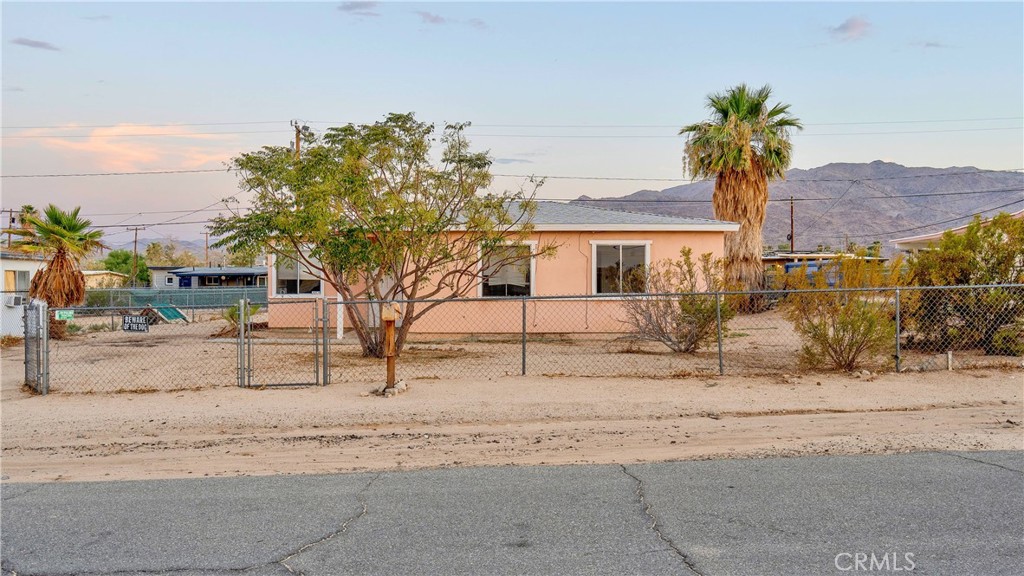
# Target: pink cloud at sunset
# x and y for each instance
(134, 147)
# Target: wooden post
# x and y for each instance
(388, 314)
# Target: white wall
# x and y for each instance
(159, 279)
(11, 321)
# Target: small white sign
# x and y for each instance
(135, 324)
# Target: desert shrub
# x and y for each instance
(11, 341)
(1008, 341)
(986, 254)
(688, 319)
(842, 329)
(230, 315)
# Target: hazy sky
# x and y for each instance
(557, 89)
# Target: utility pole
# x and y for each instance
(135, 250)
(11, 220)
(207, 234)
(297, 124)
(792, 230)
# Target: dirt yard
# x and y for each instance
(224, 431)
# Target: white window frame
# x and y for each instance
(169, 280)
(532, 244)
(272, 281)
(207, 280)
(593, 260)
(261, 281)
(18, 274)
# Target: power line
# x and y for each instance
(639, 136)
(875, 234)
(79, 174)
(171, 222)
(572, 136)
(685, 180)
(598, 178)
(833, 205)
(152, 134)
(170, 124)
(823, 198)
(583, 126)
(154, 224)
(676, 126)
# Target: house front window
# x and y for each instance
(508, 271)
(292, 278)
(619, 267)
(169, 281)
(18, 280)
(211, 281)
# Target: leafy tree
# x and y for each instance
(169, 254)
(687, 319)
(843, 329)
(985, 254)
(743, 146)
(64, 238)
(121, 261)
(367, 210)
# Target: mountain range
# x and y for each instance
(833, 204)
(843, 203)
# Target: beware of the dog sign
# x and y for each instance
(135, 324)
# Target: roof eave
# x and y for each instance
(715, 227)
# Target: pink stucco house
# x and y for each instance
(595, 247)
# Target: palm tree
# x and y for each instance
(743, 146)
(64, 238)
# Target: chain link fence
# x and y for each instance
(194, 298)
(316, 342)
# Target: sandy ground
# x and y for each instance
(228, 431)
(176, 357)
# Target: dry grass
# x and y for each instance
(11, 341)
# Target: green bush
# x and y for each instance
(685, 322)
(1008, 342)
(842, 330)
(985, 253)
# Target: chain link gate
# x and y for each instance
(285, 344)
(36, 317)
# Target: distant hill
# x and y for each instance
(859, 202)
(197, 247)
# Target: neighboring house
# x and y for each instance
(97, 279)
(161, 277)
(596, 248)
(219, 277)
(17, 271)
(925, 241)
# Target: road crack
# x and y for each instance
(656, 525)
(361, 498)
(982, 462)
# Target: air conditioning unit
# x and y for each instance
(14, 300)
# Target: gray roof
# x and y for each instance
(18, 255)
(575, 216)
(220, 271)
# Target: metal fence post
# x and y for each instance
(898, 330)
(44, 324)
(28, 343)
(241, 343)
(316, 343)
(718, 320)
(524, 336)
(327, 342)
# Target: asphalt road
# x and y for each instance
(924, 513)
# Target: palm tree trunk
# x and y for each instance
(742, 197)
